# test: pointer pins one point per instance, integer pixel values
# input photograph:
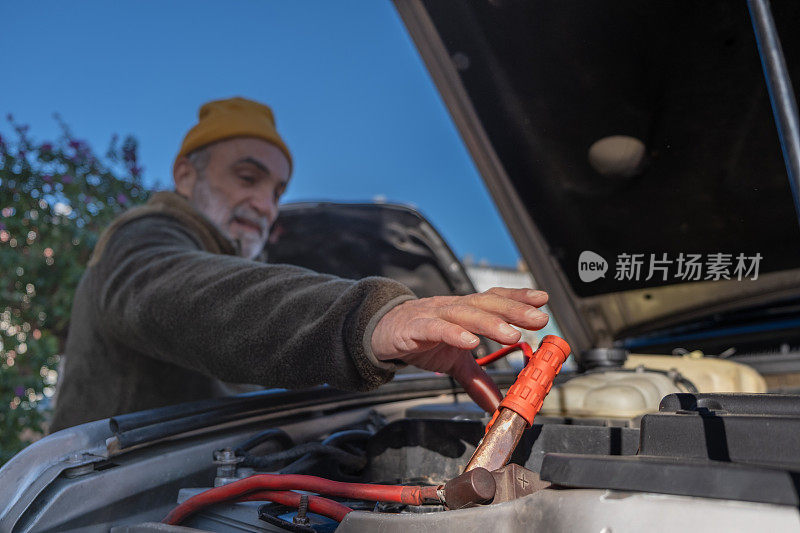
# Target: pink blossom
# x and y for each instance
(122, 199)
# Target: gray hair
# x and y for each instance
(199, 159)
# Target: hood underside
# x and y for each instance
(533, 87)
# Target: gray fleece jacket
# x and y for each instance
(165, 313)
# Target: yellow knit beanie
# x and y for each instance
(234, 117)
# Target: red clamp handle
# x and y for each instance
(526, 395)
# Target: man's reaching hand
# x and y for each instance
(438, 333)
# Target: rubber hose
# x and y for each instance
(344, 458)
(310, 459)
(270, 434)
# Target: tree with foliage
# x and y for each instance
(55, 200)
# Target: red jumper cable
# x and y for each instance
(411, 495)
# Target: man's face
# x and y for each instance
(238, 190)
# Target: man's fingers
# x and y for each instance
(481, 322)
(477, 384)
(528, 296)
(418, 325)
(513, 311)
(437, 330)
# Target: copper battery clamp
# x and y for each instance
(486, 475)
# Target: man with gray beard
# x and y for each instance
(173, 308)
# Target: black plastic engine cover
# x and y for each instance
(673, 475)
(730, 446)
(746, 439)
(733, 403)
(740, 428)
(542, 439)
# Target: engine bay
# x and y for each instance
(445, 457)
(697, 461)
(591, 466)
(419, 455)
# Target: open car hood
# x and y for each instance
(532, 86)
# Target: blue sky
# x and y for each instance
(350, 94)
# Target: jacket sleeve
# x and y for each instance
(238, 320)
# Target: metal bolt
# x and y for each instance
(225, 454)
(226, 462)
(301, 517)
